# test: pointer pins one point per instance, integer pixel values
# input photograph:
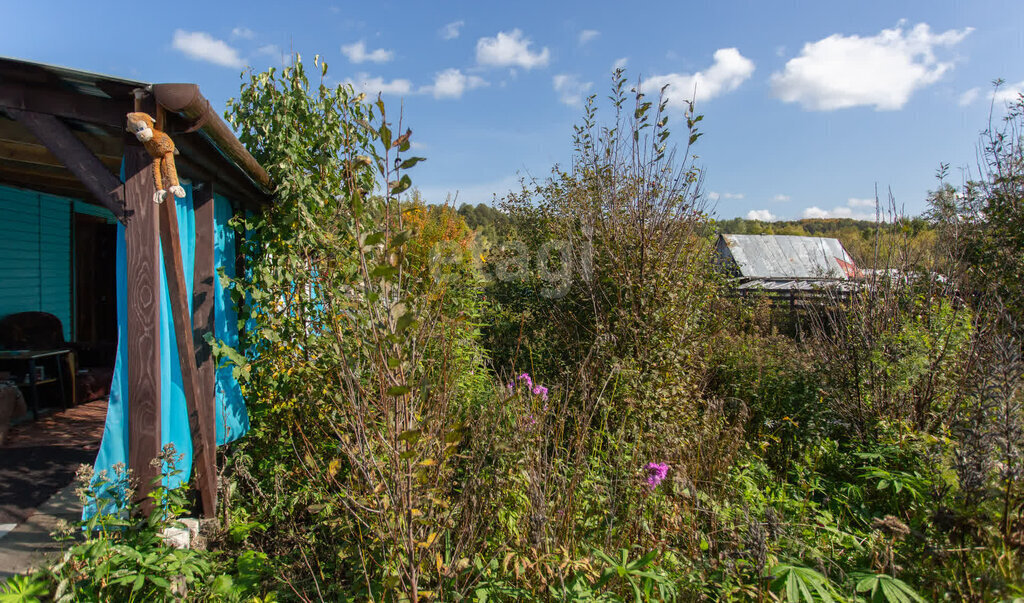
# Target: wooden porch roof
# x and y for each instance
(93, 107)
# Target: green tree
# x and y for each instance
(981, 224)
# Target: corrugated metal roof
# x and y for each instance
(787, 257)
(797, 285)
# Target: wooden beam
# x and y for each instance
(54, 101)
(143, 321)
(28, 152)
(73, 190)
(109, 145)
(204, 463)
(77, 157)
(44, 174)
(204, 279)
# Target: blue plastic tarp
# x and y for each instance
(232, 418)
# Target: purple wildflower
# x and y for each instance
(526, 377)
(541, 391)
(656, 473)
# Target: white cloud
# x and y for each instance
(763, 215)
(849, 71)
(570, 89)
(452, 83)
(243, 32)
(1004, 94)
(620, 63)
(202, 46)
(510, 50)
(733, 195)
(356, 53)
(854, 209)
(373, 85)
(780, 198)
(815, 212)
(729, 70)
(969, 97)
(587, 35)
(855, 202)
(451, 30)
(1010, 93)
(838, 212)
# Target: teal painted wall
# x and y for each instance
(35, 254)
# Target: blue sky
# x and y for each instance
(808, 105)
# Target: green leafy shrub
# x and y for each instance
(122, 553)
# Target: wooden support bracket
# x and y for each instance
(76, 157)
(203, 459)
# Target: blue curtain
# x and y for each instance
(232, 419)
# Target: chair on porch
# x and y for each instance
(91, 366)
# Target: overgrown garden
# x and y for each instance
(583, 412)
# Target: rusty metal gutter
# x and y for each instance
(188, 101)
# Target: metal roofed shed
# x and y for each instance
(784, 262)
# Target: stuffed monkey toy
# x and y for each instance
(161, 149)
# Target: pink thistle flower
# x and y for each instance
(656, 473)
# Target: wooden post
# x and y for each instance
(203, 292)
(203, 461)
(143, 321)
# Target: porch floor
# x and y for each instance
(40, 458)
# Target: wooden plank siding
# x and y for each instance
(35, 244)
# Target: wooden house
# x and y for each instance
(79, 228)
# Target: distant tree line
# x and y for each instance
(859, 237)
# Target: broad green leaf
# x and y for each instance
(408, 163)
